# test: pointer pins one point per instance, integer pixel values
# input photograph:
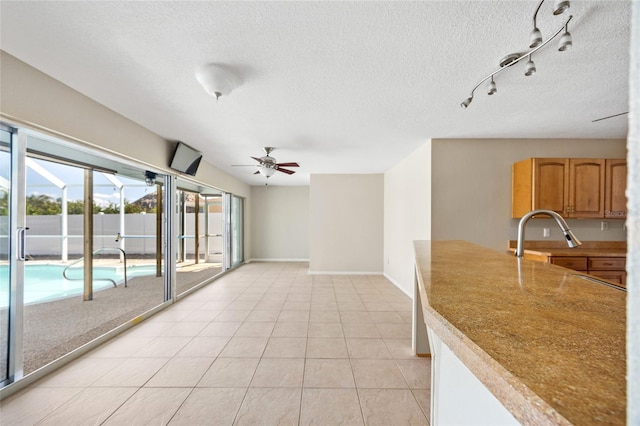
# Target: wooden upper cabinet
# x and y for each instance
(586, 188)
(615, 200)
(572, 187)
(551, 184)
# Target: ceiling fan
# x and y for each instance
(268, 165)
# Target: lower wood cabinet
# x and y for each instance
(608, 268)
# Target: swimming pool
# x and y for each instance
(45, 282)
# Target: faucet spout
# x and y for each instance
(572, 240)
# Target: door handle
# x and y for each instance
(20, 238)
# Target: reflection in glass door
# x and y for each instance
(199, 228)
(237, 230)
(5, 295)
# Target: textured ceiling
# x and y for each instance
(340, 87)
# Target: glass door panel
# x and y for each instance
(199, 231)
(5, 282)
(237, 230)
(63, 310)
(214, 220)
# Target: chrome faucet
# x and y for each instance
(572, 240)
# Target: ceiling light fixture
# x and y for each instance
(559, 6)
(565, 40)
(530, 69)
(216, 79)
(514, 58)
(492, 87)
(536, 36)
(266, 171)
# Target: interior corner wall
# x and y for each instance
(407, 215)
(346, 223)
(633, 243)
(471, 189)
(280, 223)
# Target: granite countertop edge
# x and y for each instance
(524, 403)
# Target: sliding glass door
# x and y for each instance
(199, 235)
(5, 294)
(88, 243)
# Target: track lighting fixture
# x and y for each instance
(536, 36)
(531, 68)
(535, 45)
(559, 6)
(492, 87)
(565, 40)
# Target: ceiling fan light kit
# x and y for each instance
(268, 165)
(536, 43)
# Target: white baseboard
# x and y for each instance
(275, 260)
(398, 285)
(343, 273)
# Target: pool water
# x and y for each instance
(44, 283)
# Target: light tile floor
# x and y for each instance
(267, 344)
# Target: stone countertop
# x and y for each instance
(549, 345)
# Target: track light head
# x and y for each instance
(536, 38)
(565, 41)
(492, 89)
(466, 102)
(559, 6)
(530, 69)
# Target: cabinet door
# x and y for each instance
(618, 277)
(586, 187)
(615, 200)
(551, 184)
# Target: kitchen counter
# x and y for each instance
(548, 345)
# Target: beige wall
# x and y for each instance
(346, 223)
(407, 214)
(471, 188)
(280, 223)
(31, 98)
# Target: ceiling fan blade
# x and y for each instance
(289, 172)
(259, 160)
(288, 164)
(257, 173)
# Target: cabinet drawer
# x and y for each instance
(618, 277)
(577, 263)
(607, 263)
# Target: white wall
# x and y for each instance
(346, 223)
(471, 188)
(280, 222)
(407, 215)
